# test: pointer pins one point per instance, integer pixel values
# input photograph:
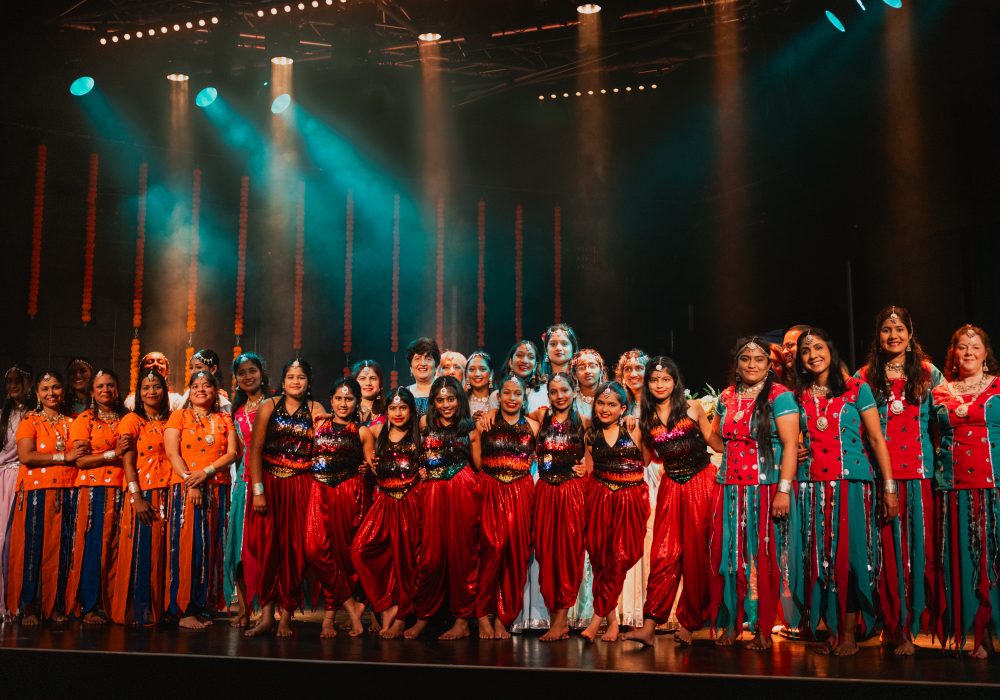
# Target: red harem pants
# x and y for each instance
(141, 579)
(276, 541)
(95, 549)
(614, 534)
(384, 552)
(682, 530)
(504, 547)
(41, 550)
(448, 562)
(333, 518)
(558, 519)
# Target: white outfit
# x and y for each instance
(9, 466)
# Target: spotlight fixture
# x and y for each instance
(588, 8)
(894, 4)
(842, 13)
(281, 103)
(104, 41)
(178, 77)
(81, 86)
(282, 61)
(429, 36)
(206, 96)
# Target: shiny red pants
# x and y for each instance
(331, 523)
(558, 520)
(277, 541)
(682, 530)
(504, 547)
(614, 534)
(448, 562)
(384, 552)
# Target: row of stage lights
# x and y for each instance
(165, 29)
(205, 97)
(603, 91)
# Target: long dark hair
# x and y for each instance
(239, 396)
(761, 418)
(575, 423)
(596, 426)
(210, 357)
(352, 385)
(462, 422)
(511, 377)
(951, 362)
(649, 418)
(23, 372)
(140, 408)
(69, 396)
(119, 406)
(306, 369)
(804, 378)
(918, 375)
(533, 381)
(546, 366)
(412, 426)
(378, 403)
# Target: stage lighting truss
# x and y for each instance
(286, 8)
(597, 92)
(153, 31)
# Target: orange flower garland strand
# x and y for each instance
(88, 250)
(36, 230)
(439, 296)
(557, 265)
(140, 256)
(300, 244)
(348, 279)
(394, 338)
(192, 308)
(481, 276)
(241, 265)
(518, 269)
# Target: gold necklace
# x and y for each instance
(958, 389)
(60, 437)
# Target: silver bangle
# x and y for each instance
(133, 487)
(109, 455)
(785, 486)
(59, 457)
(258, 489)
(210, 470)
(890, 486)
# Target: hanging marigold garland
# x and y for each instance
(439, 297)
(300, 244)
(36, 230)
(394, 336)
(557, 265)
(518, 269)
(241, 265)
(348, 279)
(192, 307)
(140, 259)
(88, 250)
(481, 276)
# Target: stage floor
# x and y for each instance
(30, 656)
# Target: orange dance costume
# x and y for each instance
(98, 514)
(336, 496)
(276, 541)
(141, 573)
(195, 534)
(41, 538)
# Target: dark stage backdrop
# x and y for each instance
(838, 174)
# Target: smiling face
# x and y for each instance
(446, 404)
(752, 364)
(203, 393)
(479, 373)
(105, 391)
(608, 408)
(398, 414)
(371, 385)
(633, 372)
(588, 371)
(422, 367)
(523, 362)
(559, 349)
(511, 398)
(970, 354)
(78, 376)
(815, 355)
(295, 383)
(560, 394)
(789, 347)
(453, 365)
(661, 385)
(249, 377)
(343, 403)
(50, 393)
(151, 394)
(157, 361)
(893, 337)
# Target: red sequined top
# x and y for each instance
(619, 465)
(508, 450)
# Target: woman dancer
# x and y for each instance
(835, 500)
(452, 504)
(558, 508)
(522, 360)
(617, 505)
(901, 378)
(675, 432)
(452, 365)
(969, 506)
(508, 449)
(201, 445)
(207, 360)
(42, 527)
(251, 389)
(280, 458)
(423, 357)
(384, 552)
(342, 453)
(368, 374)
(479, 383)
(561, 345)
(17, 390)
(158, 362)
(141, 572)
(99, 506)
(590, 372)
(757, 424)
(79, 372)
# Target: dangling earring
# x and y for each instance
(909, 348)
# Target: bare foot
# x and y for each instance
(645, 635)
(611, 635)
(905, 648)
(825, 649)
(558, 628)
(264, 625)
(459, 630)
(684, 636)
(414, 632)
(242, 618)
(760, 641)
(485, 628)
(93, 618)
(285, 624)
(590, 634)
(848, 647)
(354, 611)
(191, 622)
(725, 640)
(499, 630)
(393, 631)
(58, 618)
(979, 652)
(388, 617)
(30, 620)
(329, 628)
